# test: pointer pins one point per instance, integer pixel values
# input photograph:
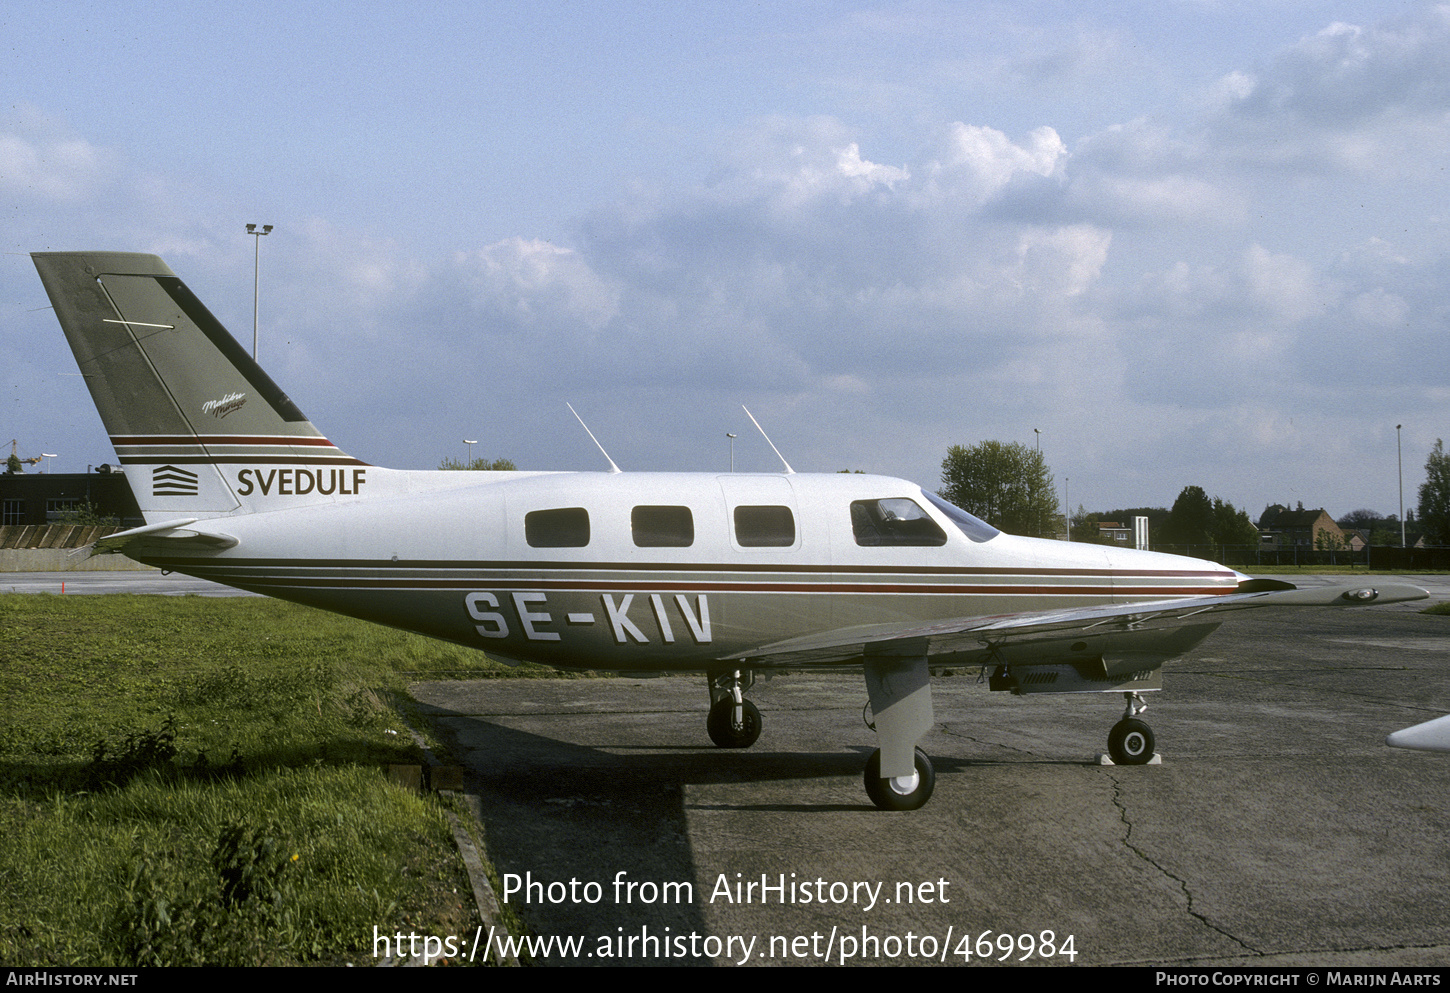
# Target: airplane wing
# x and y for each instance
(1134, 634)
(1432, 736)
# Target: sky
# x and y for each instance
(1178, 242)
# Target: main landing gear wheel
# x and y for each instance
(1130, 742)
(904, 792)
(725, 731)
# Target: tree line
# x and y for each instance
(1009, 486)
(479, 465)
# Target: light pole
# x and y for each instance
(470, 445)
(1038, 434)
(1400, 459)
(732, 450)
(49, 455)
(256, 277)
(1067, 507)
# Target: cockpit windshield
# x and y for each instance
(973, 528)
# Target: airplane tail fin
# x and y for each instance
(195, 421)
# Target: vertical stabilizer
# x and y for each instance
(194, 420)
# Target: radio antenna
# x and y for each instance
(612, 466)
(788, 470)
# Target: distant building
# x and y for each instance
(31, 498)
(1281, 527)
(1117, 533)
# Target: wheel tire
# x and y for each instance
(723, 730)
(887, 796)
(1130, 742)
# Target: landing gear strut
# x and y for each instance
(899, 775)
(734, 721)
(1130, 742)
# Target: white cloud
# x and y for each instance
(64, 170)
(794, 164)
(974, 162)
(1368, 99)
(850, 163)
(361, 273)
(1378, 307)
(1155, 199)
(1062, 261)
(529, 281)
(1285, 287)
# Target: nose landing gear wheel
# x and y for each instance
(725, 732)
(1130, 742)
(904, 792)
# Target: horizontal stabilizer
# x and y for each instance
(169, 532)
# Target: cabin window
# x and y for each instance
(894, 521)
(662, 527)
(567, 527)
(764, 527)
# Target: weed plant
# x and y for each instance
(189, 780)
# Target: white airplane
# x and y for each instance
(729, 574)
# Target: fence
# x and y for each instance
(1369, 557)
(58, 548)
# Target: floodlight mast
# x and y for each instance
(256, 277)
(1400, 462)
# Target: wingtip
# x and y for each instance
(1431, 736)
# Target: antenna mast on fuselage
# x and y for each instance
(612, 466)
(789, 471)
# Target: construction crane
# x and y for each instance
(15, 459)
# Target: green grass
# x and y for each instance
(1439, 609)
(201, 780)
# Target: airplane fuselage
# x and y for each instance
(646, 571)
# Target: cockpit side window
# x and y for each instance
(977, 530)
(567, 527)
(894, 521)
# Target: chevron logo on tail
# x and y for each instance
(168, 480)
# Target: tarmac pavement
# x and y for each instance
(1278, 830)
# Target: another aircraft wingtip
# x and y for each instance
(1431, 736)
